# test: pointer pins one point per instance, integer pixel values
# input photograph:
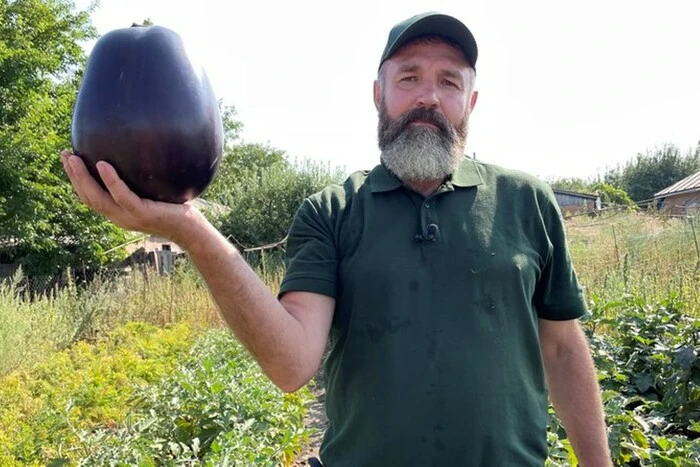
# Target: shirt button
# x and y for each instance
(427, 205)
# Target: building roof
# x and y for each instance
(688, 184)
(574, 193)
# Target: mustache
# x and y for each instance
(390, 130)
(426, 115)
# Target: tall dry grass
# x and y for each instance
(34, 326)
(647, 255)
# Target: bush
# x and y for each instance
(263, 202)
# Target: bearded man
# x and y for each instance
(442, 286)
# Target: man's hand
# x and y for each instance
(124, 208)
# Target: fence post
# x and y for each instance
(695, 236)
(617, 251)
(165, 261)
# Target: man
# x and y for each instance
(444, 284)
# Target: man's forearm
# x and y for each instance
(274, 336)
(575, 395)
(259, 321)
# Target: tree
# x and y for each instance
(242, 162)
(571, 184)
(260, 187)
(239, 159)
(654, 170)
(43, 226)
(262, 203)
(612, 195)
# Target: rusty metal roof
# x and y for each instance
(575, 193)
(689, 183)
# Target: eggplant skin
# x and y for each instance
(146, 107)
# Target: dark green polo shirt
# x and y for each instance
(435, 358)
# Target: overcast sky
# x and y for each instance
(565, 89)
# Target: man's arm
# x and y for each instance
(287, 337)
(574, 390)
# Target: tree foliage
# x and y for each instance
(610, 195)
(636, 182)
(260, 187)
(576, 184)
(262, 204)
(654, 170)
(42, 224)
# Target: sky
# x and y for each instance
(565, 89)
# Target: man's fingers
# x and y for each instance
(64, 160)
(89, 191)
(120, 192)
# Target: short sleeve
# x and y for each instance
(558, 294)
(311, 256)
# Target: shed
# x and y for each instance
(160, 252)
(681, 198)
(572, 202)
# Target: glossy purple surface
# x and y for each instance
(145, 107)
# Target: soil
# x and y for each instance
(315, 420)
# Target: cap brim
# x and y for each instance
(442, 25)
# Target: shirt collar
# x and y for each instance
(466, 175)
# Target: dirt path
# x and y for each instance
(316, 420)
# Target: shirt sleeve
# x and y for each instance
(311, 257)
(558, 294)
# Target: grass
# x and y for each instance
(31, 330)
(83, 369)
(643, 255)
(216, 409)
(616, 254)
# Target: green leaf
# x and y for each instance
(639, 438)
(644, 382)
(217, 387)
(685, 357)
(663, 443)
(694, 426)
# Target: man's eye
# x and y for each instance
(409, 78)
(451, 83)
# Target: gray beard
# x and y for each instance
(420, 154)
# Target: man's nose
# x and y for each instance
(428, 96)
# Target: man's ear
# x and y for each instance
(472, 101)
(377, 94)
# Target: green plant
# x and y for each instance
(216, 410)
(86, 385)
(648, 361)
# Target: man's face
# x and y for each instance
(424, 104)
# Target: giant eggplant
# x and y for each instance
(147, 107)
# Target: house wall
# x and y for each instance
(682, 204)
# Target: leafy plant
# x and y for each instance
(648, 361)
(216, 410)
(80, 387)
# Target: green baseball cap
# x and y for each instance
(431, 23)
